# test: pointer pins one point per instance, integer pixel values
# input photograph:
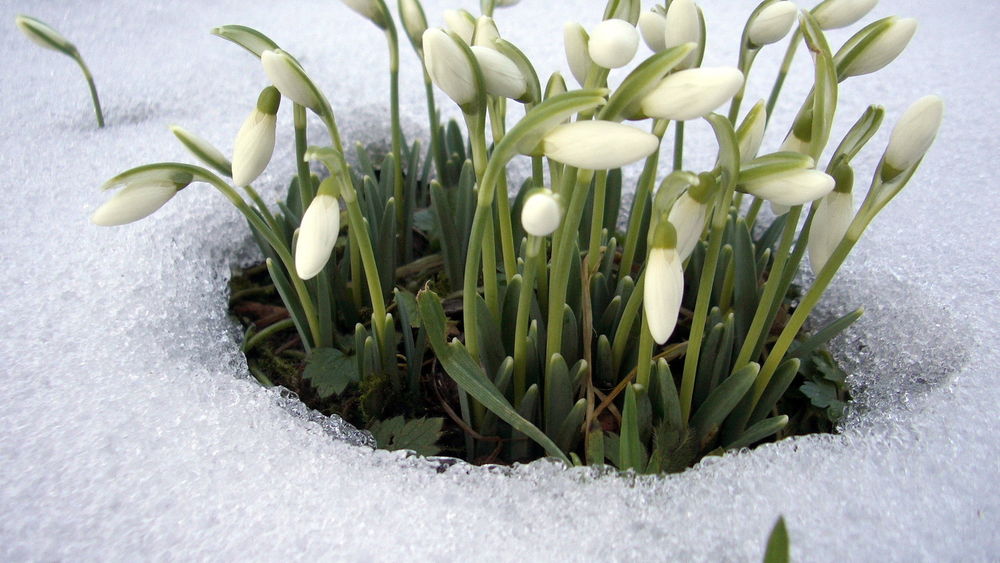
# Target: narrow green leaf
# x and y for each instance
(805, 347)
(777, 544)
(290, 299)
(632, 453)
(558, 394)
(758, 432)
(569, 431)
(722, 400)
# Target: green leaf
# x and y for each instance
(775, 389)
(330, 371)
(805, 347)
(632, 453)
(722, 400)
(758, 432)
(777, 544)
(821, 394)
(419, 434)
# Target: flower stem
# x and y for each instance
(786, 64)
(403, 217)
(523, 314)
(643, 191)
(597, 221)
(93, 88)
(302, 167)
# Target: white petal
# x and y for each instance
(598, 145)
(367, 8)
(613, 43)
(652, 26)
(683, 25)
(288, 78)
(317, 235)
(662, 292)
(834, 14)
(751, 132)
(253, 147)
(692, 93)
(575, 40)
(448, 66)
(914, 132)
(884, 49)
(462, 23)
(794, 144)
(772, 23)
(500, 74)
(792, 188)
(688, 218)
(833, 217)
(133, 202)
(541, 214)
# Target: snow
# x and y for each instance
(129, 429)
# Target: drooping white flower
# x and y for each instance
(369, 9)
(914, 133)
(664, 283)
(255, 141)
(692, 93)
(750, 133)
(688, 217)
(575, 40)
(317, 235)
(834, 14)
(448, 66)
(682, 25)
(597, 145)
(134, 202)
(613, 43)
(289, 78)
(792, 187)
(652, 26)
(486, 33)
(461, 23)
(501, 77)
(830, 223)
(43, 35)
(411, 13)
(884, 44)
(772, 23)
(541, 213)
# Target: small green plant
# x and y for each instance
(45, 36)
(452, 318)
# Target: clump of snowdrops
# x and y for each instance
(420, 292)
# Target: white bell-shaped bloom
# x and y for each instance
(682, 25)
(289, 78)
(652, 26)
(448, 66)
(411, 14)
(501, 77)
(254, 143)
(772, 23)
(43, 35)
(869, 56)
(662, 292)
(791, 188)
(486, 34)
(598, 145)
(688, 218)
(317, 235)
(692, 93)
(834, 14)
(461, 23)
(134, 202)
(613, 43)
(575, 40)
(541, 214)
(830, 223)
(914, 132)
(368, 9)
(750, 133)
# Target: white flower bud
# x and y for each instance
(914, 133)
(692, 93)
(461, 23)
(682, 25)
(134, 202)
(317, 235)
(367, 8)
(575, 39)
(43, 35)
(598, 145)
(289, 78)
(791, 188)
(501, 76)
(613, 43)
(772, 23)
(448, 66)
(486, 33)
(864, 57)
(652, 26)
(541, 214)
(834, 14)
(203, 150)
(750, 133)
(506, 3)
(414, 21)
(662, 292)
(688, 218)
(830, 223)
(255, 141)
(793, 143)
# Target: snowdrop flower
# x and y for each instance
(448, 66)
(541, 214)
(792, 187)
(597, 145)
(664, 285)
(501, 77)
(255, 141)
(613, 43)
(652, 26)
(832, 219)
(134, 202)
(369, 9)
(692, 93)
(912, 135)
(317, 234)
(682, 25)
(506, 3)
(289, 78)
(555, 86)
(486, 33)
(793, 143)
(875, 46)
(575, 39)
(203, 150)
(43, 35)
(834, 14)
(750, 133)
(772, 23)
(411, 13)
(688, 217)
(461, 23)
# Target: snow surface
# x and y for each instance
(129, 430)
